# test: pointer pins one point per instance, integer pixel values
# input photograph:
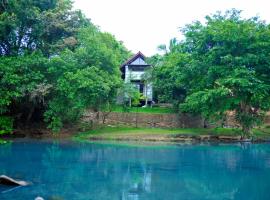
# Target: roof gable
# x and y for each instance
(137, 59)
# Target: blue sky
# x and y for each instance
(144, 24)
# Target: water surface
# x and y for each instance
(83, 171)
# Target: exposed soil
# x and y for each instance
(41, 133)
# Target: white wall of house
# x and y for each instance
(127, 78)
(132, 75)
(137, 75)
(148, 91)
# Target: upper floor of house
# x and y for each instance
(134, 68)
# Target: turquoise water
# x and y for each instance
(75, 171)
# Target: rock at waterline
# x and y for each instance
(39, 198)
(5, 180)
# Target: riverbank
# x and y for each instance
(41, 133)
(127, 133)
(172, 135)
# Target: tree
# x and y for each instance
(131, 97)
(170, 78)
(130, 94)
(86, 78)
(54, 63)
(20, 82)
(173, 46)
(77, 91)
(30, 25)
(230, 63)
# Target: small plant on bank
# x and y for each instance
(6, 125)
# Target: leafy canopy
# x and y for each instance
(54, 63)
(222, 65)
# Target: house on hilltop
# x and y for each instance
(132, 72)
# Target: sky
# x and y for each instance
(142, 25)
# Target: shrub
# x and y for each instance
(6, 125)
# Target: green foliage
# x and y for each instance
(54, 63)
(226, 68)
(47, 25)
(76, 91)
(131, 95)
(20, 78)
(6, 125)
(87, 77)
(170, 78)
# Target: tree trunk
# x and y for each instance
(243, 114)
(29, 116)
(204, 123)
(104, 116)
(137, 117)
(146, 96)
(247, 131)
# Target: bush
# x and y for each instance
(6, 125)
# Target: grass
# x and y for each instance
(130, 133)
(262, 133)
(153, 110)
(132, 130)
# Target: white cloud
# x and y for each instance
(144, 24)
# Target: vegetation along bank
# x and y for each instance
(56, 64)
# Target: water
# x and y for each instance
(75, 171)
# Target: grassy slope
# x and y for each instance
(112, 133)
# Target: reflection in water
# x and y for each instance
(97, 171)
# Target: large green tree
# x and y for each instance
(30, 25)
(169, 78)
(54, 63)
(85, 78)
(228, 68)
